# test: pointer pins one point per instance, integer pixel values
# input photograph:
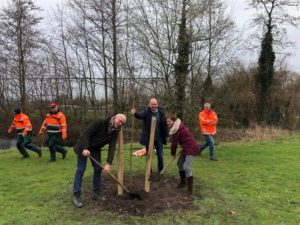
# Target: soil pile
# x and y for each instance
(163, 196)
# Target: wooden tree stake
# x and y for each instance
(120, 162)
(150, 154)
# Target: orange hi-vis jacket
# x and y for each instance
(208, 120)
(55, 123)
(21, 123)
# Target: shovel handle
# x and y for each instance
(110, 174)
(169, 162)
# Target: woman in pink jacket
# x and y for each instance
(180, 134)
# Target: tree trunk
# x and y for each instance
(115, 66)
(181, 65)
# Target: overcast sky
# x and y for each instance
(241, 16)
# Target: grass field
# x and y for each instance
(255, 183)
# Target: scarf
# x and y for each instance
(175, 127)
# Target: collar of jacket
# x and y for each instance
(175, 127)
(51, 113)
(19, 116)
(158, 109)
(154, 111)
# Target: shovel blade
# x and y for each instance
(133, 196)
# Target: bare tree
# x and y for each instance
(156, 32)
(20, 36)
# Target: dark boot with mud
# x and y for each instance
(77, 201)
(97, 196)
(190, 185)
(182, 183)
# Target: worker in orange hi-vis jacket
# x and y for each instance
(21, 123)
(56, 126)
(208, 120)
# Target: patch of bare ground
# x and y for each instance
(163, 196)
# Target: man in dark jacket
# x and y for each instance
(161, 131)
(98, 134)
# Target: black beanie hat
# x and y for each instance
(17, 111)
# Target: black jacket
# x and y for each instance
(146, 116)
(96, 136)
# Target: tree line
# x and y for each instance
(99, 57)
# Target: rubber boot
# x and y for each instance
(52, 155)
(182, 180)
(64, 154)
(77, 201)
(61, 150)
(190, 185)
(40, 152)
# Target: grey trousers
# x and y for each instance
(184, 163)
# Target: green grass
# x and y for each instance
(255, 183)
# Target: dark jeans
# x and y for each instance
(81, 167)
(158, 144)
(209, 142)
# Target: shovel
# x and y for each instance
(131, 195)
(169, 162)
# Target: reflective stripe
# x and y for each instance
(53, 125)
(53, 131)
(19, 128)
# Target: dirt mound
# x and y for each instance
(163, 196)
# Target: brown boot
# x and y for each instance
(182, 180)
(190, 185)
